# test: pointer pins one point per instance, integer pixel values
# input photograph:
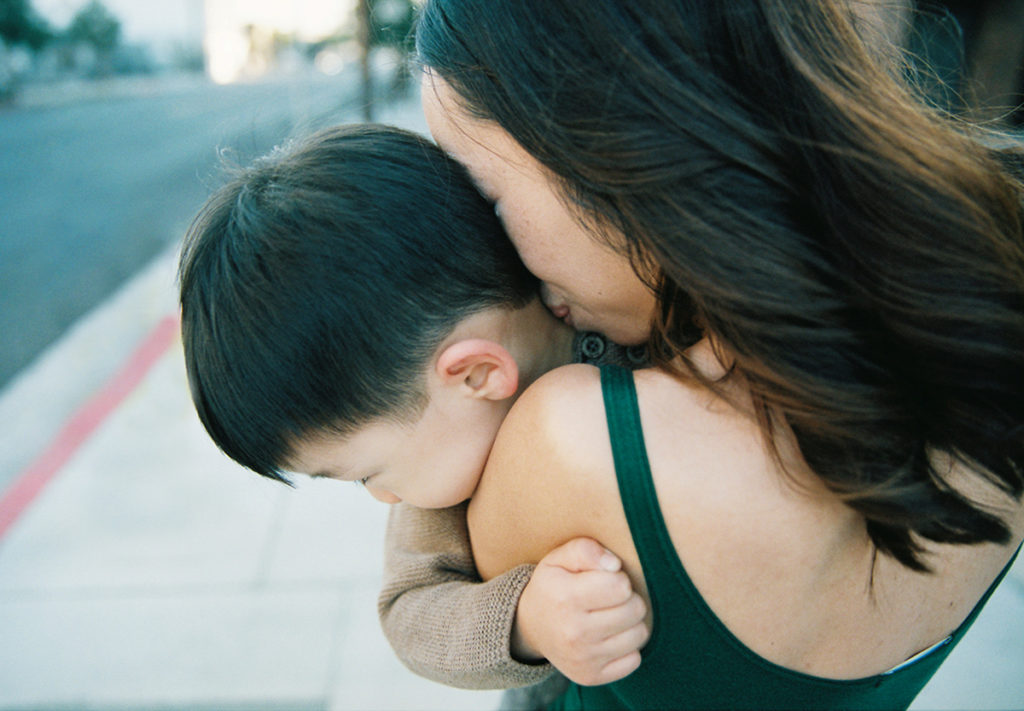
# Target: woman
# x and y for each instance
(835, 434)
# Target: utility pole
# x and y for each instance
(363, 11)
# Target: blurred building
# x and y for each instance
(249, 38)
(231, 39)
(153, 36)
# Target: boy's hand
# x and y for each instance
(579, 611)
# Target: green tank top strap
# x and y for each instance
(640, 500)
(636, 486)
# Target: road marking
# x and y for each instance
(85, 422)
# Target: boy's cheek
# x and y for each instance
(383, 495)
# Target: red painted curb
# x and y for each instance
(87, 420)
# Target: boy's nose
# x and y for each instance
(383, 495)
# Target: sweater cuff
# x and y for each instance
(482, 656)
(512, 584)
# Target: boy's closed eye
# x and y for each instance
(327, 475)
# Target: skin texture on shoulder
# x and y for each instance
(551, 476)
(552, 448)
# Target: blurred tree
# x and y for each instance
(384, 23)
(20, 25)
(97, 27)
(364, 22)
(391, 23)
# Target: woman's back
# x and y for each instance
(784, 565)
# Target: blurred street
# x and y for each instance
(93, 190)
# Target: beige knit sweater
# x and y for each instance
(443, 622)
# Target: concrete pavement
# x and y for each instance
(142, 569)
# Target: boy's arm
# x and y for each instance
(443, 622)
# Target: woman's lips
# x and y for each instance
(561, 311)
(558, 310)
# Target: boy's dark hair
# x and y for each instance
(317, 284)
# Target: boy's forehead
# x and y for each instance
(347, 455)
(323, 454)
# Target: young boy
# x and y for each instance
(352, 309)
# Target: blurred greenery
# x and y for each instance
(95, 26)
(391, 23)
(20, 25)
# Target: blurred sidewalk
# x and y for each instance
(71, 91)
(141, 569)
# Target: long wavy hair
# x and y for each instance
(856, 253)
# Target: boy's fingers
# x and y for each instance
(613, 670)
(581, 554)
(623, 652)
(624, 614)
(622, 625)
(620, 668)
(595, 590)
(628, 640)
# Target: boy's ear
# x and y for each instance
(484, 368)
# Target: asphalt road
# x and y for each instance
(91, 191)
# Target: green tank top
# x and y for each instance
(692, 661)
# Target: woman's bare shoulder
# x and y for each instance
(551, 475)
(563, 412)
(550, 463)
(559, 419)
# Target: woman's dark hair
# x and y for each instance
(317, 284)
(858, 256)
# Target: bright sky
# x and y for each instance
(144, 20)
(141, 20)
(309, 19)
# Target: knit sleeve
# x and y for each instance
(443, 622)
